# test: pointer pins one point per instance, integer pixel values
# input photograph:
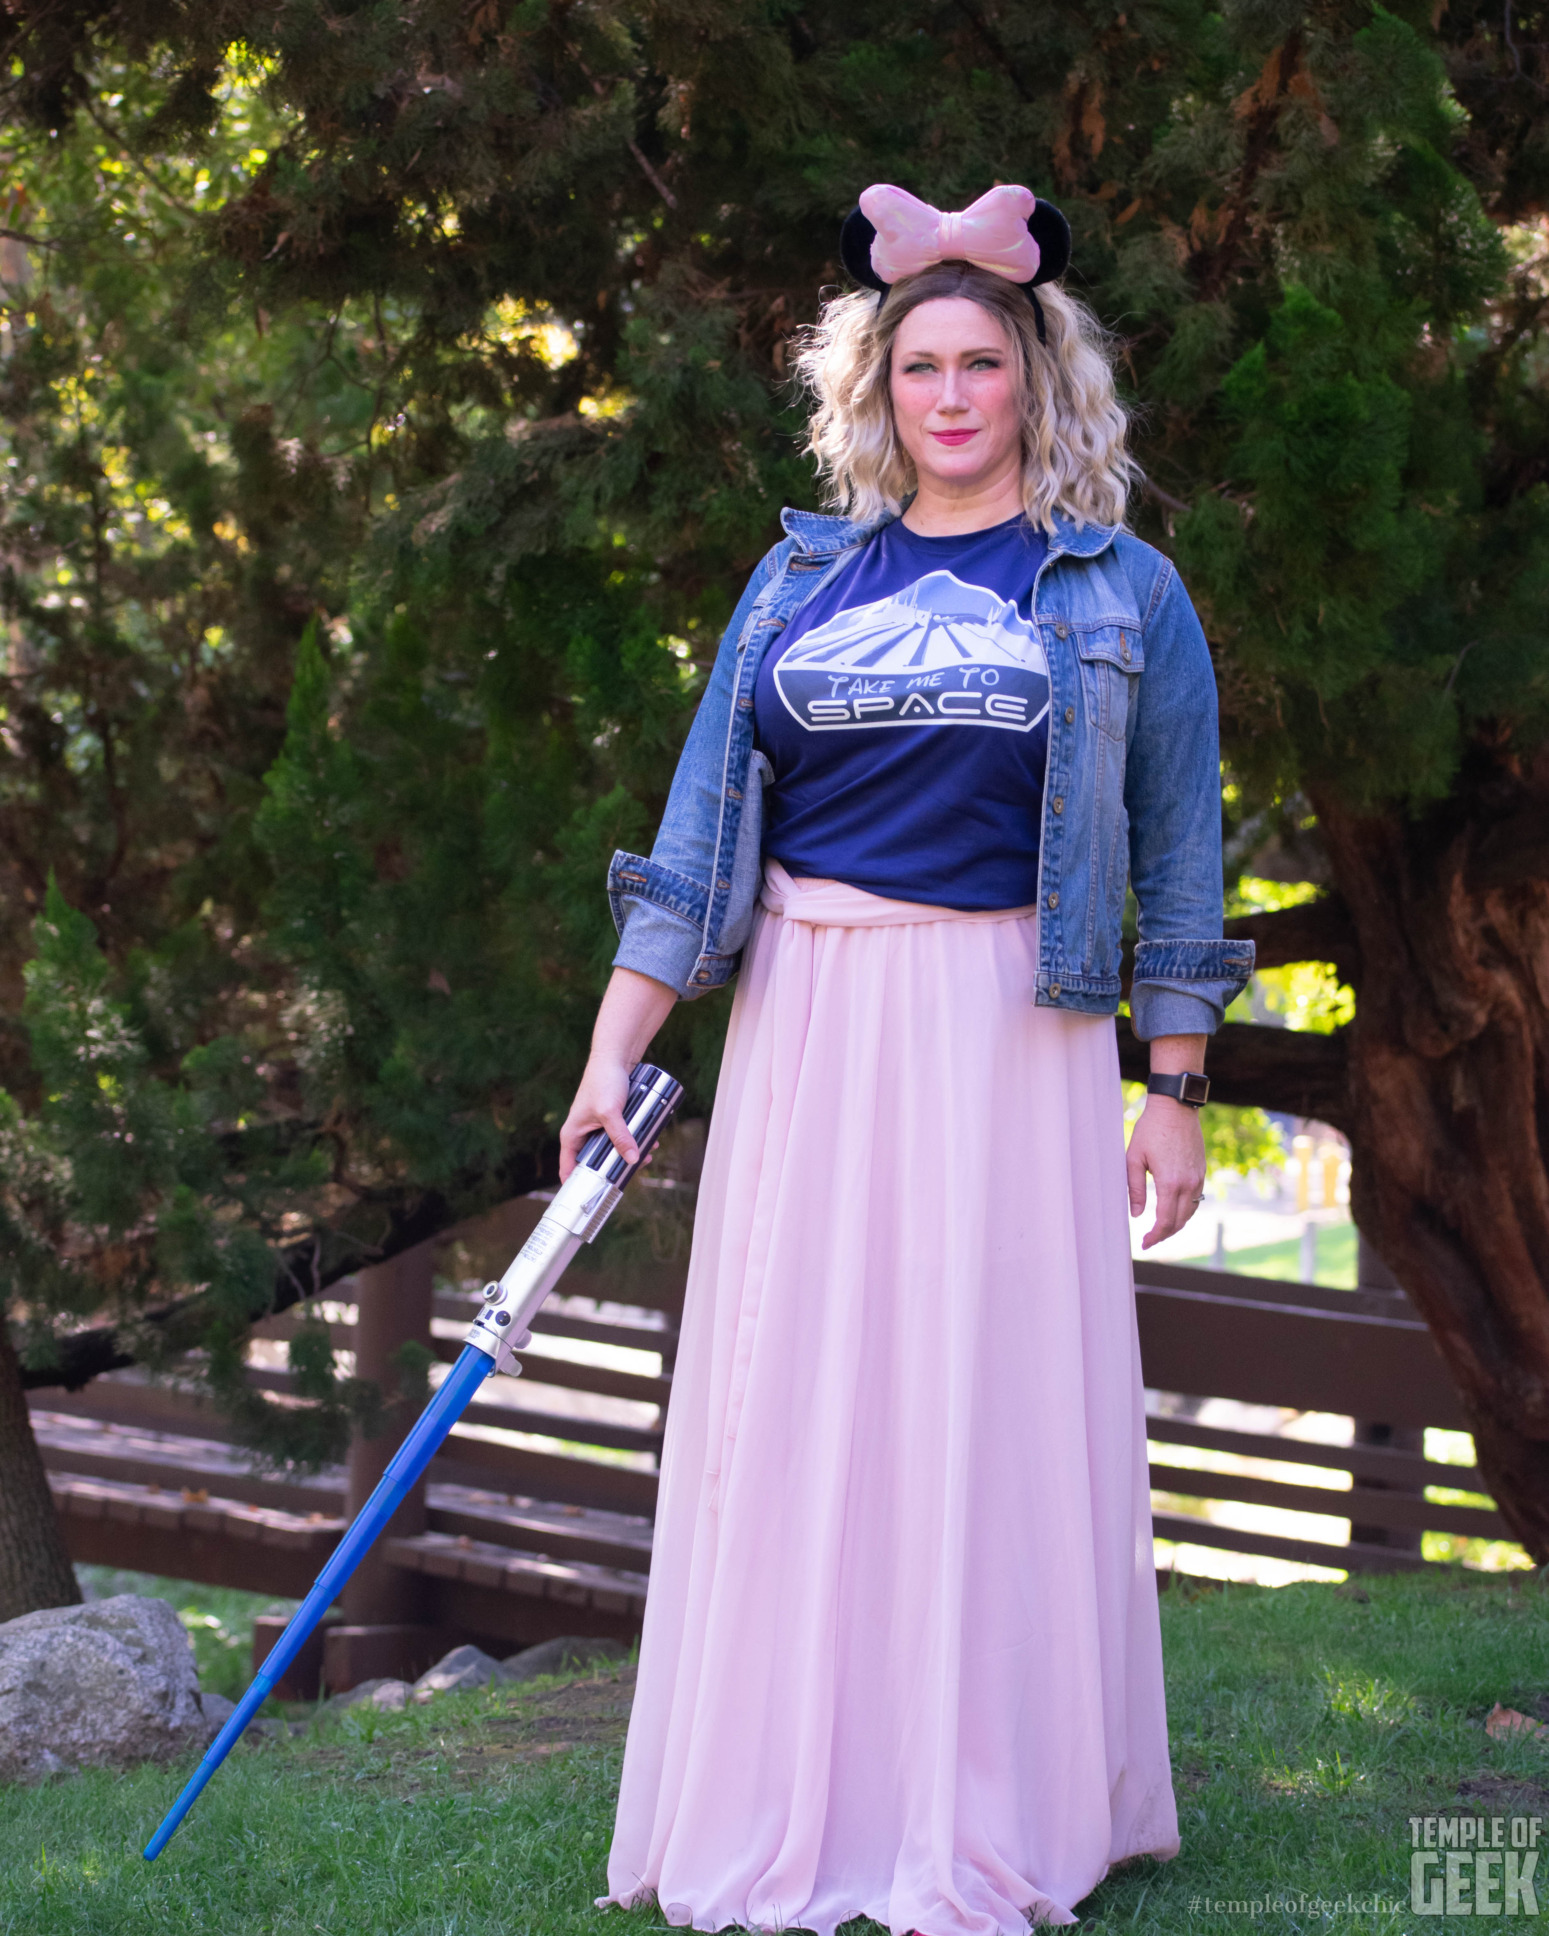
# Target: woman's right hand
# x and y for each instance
(599, 1104)
(633, 1009)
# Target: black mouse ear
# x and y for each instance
(1051, 232)
(855, 240)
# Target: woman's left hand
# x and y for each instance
(1169, 1143)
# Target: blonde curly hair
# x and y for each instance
(1073, 425)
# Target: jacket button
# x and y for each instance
(703, 975)
(745, 704)
(1059, 803)
(1054, 992)
(1062, 630)
(1070, 715)
(1054, 900)
(1123, 647)
(723, 884)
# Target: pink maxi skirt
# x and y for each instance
(901, 1655)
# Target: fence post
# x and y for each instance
(1301, 1157)
(392, 1307)
(1372, 1274)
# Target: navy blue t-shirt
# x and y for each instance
(906, 715)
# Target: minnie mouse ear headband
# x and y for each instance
(1009, 232)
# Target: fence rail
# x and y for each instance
(536, 1517)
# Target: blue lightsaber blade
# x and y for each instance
(580, 1208)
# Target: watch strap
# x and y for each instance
(1189, 1088)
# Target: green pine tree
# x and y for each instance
(394, 406)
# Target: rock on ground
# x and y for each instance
(564, 1655)
(462, 1667)
(469, 1667)
(379, 1693)
(108, 1684)
(217, 1711)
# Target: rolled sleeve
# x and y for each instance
(659, 914)
(660, 945)
(1185, 987)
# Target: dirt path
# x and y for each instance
(478, 1740)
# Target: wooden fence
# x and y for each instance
(536, 1518)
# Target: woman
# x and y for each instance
(901, 1655)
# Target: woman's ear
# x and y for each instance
(855, 240)
(1051, 232)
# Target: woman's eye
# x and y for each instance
(985, 363)
(918, 369)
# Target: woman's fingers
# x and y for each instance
(1171, 1212)
(618, 1134)
(1182, 1200)
(1167, 1142)
(1174, 1207)
(1135, 1170)
(599, 1104)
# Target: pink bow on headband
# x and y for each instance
(991, 233)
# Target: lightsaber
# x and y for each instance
(579, 1209)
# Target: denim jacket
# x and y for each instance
(1132, 790)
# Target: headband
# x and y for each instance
(1009, 232)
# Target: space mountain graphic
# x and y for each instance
(937, 653)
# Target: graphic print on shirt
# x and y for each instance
(938, 652)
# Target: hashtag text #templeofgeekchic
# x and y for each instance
(1253, 1907)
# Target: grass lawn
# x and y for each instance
(1309, 1723)
(1336, 1258)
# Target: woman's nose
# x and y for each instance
(951, 394)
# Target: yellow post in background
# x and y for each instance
(1301, 1151)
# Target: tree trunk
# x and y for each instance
(35, 1569)
(1449, 1100)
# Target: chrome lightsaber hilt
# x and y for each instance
(581, 1207)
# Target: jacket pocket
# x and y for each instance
(1112, 657)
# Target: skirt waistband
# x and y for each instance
(833, 904)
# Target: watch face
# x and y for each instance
(1195, 1090)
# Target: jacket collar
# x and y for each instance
(818, 534)
(1068, 542)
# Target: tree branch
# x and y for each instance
(410, 1219)
(641, 163)
(1316, 931)
(1292, 1071)
(1151, 489)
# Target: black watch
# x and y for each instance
(1193, 1091)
